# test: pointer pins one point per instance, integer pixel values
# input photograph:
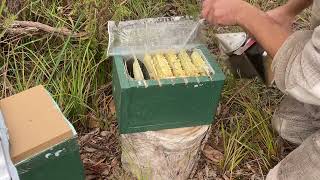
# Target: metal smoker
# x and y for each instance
(247, 59)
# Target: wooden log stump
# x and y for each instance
(166, 154)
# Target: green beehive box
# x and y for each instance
(43, 144)
(147, 106)
(47, 165)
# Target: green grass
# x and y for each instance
(77, 70)
(246, 128)
(71, 69)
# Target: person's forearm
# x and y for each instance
(268, 33)
(294, 7)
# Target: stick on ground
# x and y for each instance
(25, 27)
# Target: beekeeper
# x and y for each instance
(296, 66)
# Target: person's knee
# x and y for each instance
(291, 129)
(302, 163)
(280, 125)
(293, 122)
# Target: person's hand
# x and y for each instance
(282, 16)
(223, 12)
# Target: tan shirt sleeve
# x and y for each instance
(296, 66)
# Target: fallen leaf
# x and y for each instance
(93, 123)
(200, 175)
(225, 177)
(212, 154)
(85, 138)
(114, 162)
(91, 177)
(106, 171)
(251, 169)
(112, 107)
(89, 149)
(86, 160)
(210, 173)
(99, 162)
(104, 133)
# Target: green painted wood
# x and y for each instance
(61, 162)
(172, 105)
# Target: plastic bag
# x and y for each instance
(6, 165)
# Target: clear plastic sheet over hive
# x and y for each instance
(153, 35)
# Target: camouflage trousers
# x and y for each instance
(298, 123)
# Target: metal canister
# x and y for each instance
(246, 58)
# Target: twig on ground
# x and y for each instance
(27, 27)
(18, 30)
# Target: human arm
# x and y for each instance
(285, 14)
(296, 55)
(257, 22)
(265, 30)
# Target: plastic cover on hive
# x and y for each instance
(153, 35)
